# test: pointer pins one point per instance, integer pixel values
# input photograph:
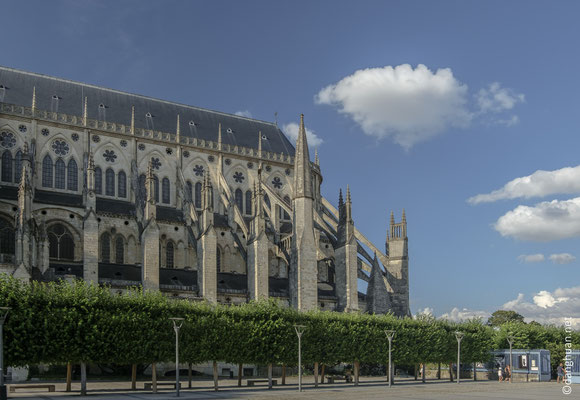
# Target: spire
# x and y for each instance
(91, 173)
(348, 205)
(33, 99)
(91, 163)
(260, 144)
(177, 130)
(85, 112)
(392, 218)
(302, 176)
(340, 200)
(404, 219)
(348, 200)
(316, 160)
(132, 120)
(219, 136)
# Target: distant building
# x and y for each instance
(122, 189)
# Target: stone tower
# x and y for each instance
(258, 249)
(150, 235)
(207, 247)
(398, 268)
(346, 257)
(91, 227)
(303, 266)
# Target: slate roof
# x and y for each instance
(169, 214)
(177, 277)
(8, 192)
(117, 108)
(121, 272)
(116, 207)
(227, 282)
(58, 198)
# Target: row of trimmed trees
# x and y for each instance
(61, 323)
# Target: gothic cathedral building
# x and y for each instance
(126, 190)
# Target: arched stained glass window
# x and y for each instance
(249, 202)
(169, 255)
(156, 184)
(218, 257)
(72, 179)
(61, 245)
(110, 182)
(239, 198)
(7, 166)
(47, 171)
(189, 191)
(198, 195)
(59, 174)
(105, 247)
(98, 180)
(119, 250)
(7, 237)
(122, 184)
(17, 166)
(166, 197)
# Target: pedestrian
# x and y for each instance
(561, 373)
(508, 373)
(500, 373)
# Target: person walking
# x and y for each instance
(561, 373)
(508, 373)
(500, 373)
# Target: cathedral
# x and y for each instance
(125, 190)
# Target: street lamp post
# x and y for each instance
(299, 331)
(3, 314)
(459, 336)
(177, 323)
(510, 340)
(390, 335)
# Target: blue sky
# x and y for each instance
(489, 95)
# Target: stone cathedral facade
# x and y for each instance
(121, 189)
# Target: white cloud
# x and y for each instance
(546, 221)
(457, 315)
(562, 258)
(546, 308)
(539, 184)
(549, 307)
(531, 258)
(244, 113)
(409, 105)
(497, 99)
(291, 130)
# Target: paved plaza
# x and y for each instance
(370, 388)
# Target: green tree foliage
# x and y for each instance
(60, 322)
(501, 317)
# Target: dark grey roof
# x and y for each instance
(116, 207)
(8, 192)
(220, 221)
(244, 131)
(177, 277)
(278, 285)
(61, 269)
(58, 198)
(169, 214)
(121, 272)
(227, 282)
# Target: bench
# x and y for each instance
(251, 382)
(13, 388)
(332, 378)
(149, 385)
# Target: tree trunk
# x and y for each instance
(270, 376)
(215, 376)
(240, 373)
(450, 372)
(283, 374)
(154, 377)
(423, 372)
(474, 372)
(68, 376)
(189, 374)
(322, 374)
(134, 377)
(356, 372)
(83, 379)
(439, 371)
(415, 370)
(316, 374)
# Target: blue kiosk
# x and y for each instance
(573, 365)
(527, 365)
